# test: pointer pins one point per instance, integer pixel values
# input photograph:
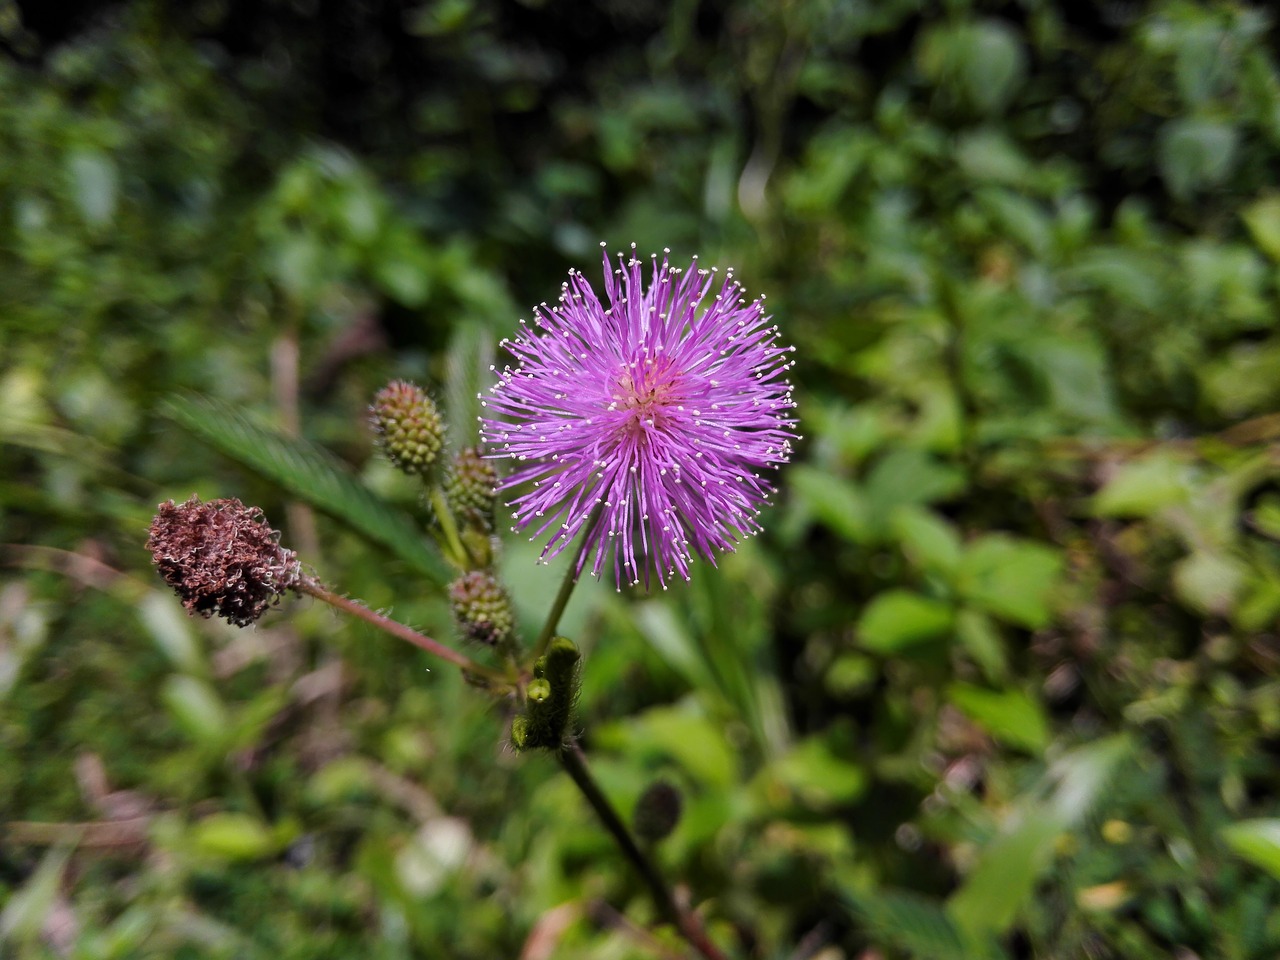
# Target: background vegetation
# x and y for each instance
(999, 681)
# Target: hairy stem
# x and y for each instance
(575, 764)
(397, 629)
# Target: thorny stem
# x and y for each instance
(397, 629)
(566, 591)
(575, 764)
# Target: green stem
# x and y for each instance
(566, 591)
(397, 629)
(449, 528)
(575, 764)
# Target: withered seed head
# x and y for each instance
(221, 557)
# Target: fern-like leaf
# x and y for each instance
(467, 364)
(919, 926)
(310, 473)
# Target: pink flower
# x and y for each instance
(660, 409)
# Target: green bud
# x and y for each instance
(539, 692)
(520, 733)
(657, 811)
(482, 608)
(470, 487)
(408, 425)
(535, 729)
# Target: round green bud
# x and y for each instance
(481, 608)
(470, 487)
(408, 425)
(538, 691)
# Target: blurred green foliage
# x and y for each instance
(999, 681)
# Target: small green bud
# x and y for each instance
(409, 426)
(539, 691)
(536, 729)
(470, 488)
(657, 811)
(482, 608)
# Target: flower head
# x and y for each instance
(660, 409)
(221, 557)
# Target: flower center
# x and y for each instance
(645, 390)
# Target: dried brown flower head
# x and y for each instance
(221, 557)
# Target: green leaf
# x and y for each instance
(983, 61)
(989, 155)
(1143, 487)
(403, 280)
(680, 733)
(23, 916)
(669, 635)
(898, 619)
(834, 501)
(95, 185)
(992, 895)
(1257, 841)
(917, 925)
(992, 63)
(310, 473)
(1262, 217)
(981, 638)
(1135, 278)
(929, 542)
(171, 630)
(1009, 865)
(402, 265)
(815, 775)
(1010, 578)
(851, 674)
(233, 836)
(908, 475)
(196, 707)
(1008, 715)
(1195, 153)
(1209, 581)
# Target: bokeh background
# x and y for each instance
(1000, 679)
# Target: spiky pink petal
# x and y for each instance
(661, 408)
